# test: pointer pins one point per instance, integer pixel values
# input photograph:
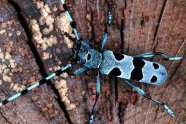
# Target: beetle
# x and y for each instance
(108, 62)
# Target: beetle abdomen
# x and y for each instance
(131, 68)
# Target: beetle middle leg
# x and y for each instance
(98, 82)
(98, 88)
(105, 34)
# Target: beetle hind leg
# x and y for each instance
(141, 92)
(152, 54)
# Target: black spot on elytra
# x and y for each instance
(138, 63)
(136, 73)
(118, 56)
(115, 72)
(156, 66)
(153, 79)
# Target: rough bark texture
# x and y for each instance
(138, 26)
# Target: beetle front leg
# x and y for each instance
(80, 70)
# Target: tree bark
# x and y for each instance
(32, 46)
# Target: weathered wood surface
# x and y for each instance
(147, 26)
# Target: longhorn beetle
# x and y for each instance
(107, 62)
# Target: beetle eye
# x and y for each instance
(88, 57)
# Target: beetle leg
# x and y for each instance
(152, 54)
(141, 92)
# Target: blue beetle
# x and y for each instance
(123, 66)
(109, 63)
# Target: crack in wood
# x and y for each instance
(38, 59)
(122, 33)
(158, 24)
(6, 119)
(92, 31)
(159, 20)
